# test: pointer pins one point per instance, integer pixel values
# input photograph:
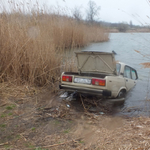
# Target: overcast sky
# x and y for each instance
(137, 11)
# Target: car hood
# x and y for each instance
(96, 62)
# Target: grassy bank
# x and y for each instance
(31, 46)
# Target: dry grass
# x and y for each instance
(9, 89)
(32, 46)
(61, 127)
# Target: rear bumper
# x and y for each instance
(86, 90)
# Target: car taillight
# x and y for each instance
(99, 82)
(67, 78)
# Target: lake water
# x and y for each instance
(124, 44)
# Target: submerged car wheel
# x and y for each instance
(122, 94)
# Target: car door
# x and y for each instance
(129, 82)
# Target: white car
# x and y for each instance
(99, 74)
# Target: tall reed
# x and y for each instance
(31, 46)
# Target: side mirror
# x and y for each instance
(121, 73)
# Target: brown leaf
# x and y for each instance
(137, 51)
(146, 64)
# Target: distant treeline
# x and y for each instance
(124, 27)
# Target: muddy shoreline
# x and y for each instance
(44, 121)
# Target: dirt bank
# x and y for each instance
(44, 121)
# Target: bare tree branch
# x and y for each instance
(77, 13)
(92, 11)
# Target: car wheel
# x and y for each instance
(122, 94)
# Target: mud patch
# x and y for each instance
(47, 122)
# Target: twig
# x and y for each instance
(60, 144)
(82, 103)
(3, 144)
(23, 137)
(95, 103)
(3, 104)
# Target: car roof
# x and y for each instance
(124, 64)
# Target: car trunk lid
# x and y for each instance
(96, 62)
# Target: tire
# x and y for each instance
(122, 94)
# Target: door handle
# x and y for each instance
(126, 80)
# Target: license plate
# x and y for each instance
(82, 80)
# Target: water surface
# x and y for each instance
(124, 44)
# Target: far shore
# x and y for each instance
(130, 31)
